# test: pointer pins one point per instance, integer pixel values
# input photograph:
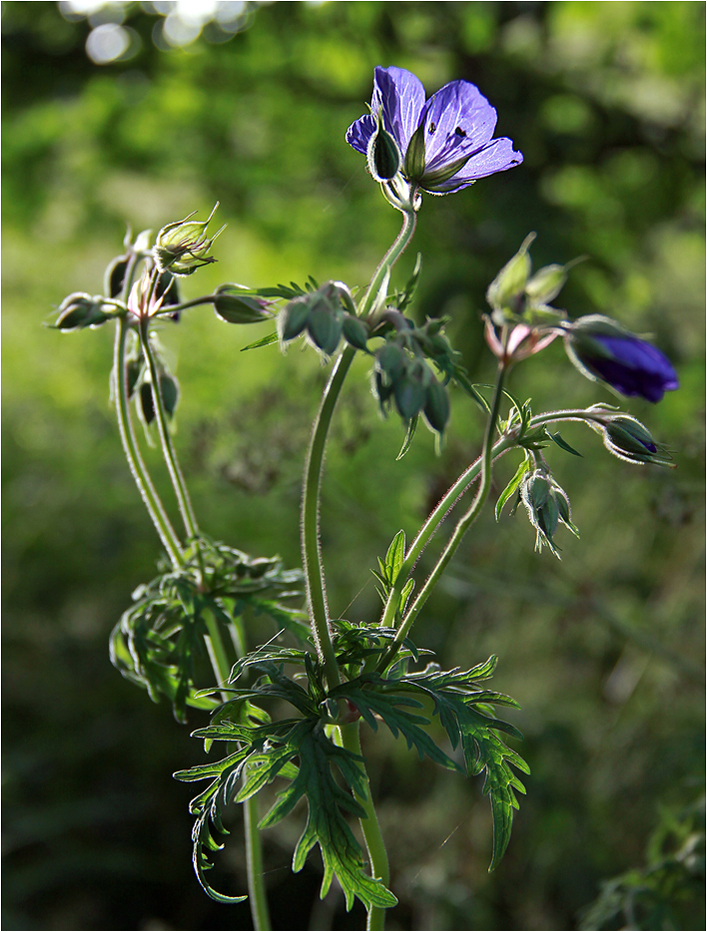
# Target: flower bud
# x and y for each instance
(410, 389)
(437, 407)
(182, 247)
(546, 284)
(115, 276)
(603, 350)
(383, 154)
(390, 362)
(80, 310)
(239, 309)
(292, 320)
(628, 439)
(355, 332)
(506, 291)
(548, 506)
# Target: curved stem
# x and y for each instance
(462, 526)
(377, 854)
(253, 847)
(454, 493)
(137, 467)
(180, 488)
(311, 553)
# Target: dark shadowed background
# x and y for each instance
(140, 113)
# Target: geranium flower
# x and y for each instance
(602, 349)
(445, 142)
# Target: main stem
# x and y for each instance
(253, 847)
(311, 552)
(462, 527)
(142, 479)
(377, 854)
(180, 488)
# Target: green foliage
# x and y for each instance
(158, 641)
(668, 893)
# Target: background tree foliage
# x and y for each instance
(603, 650)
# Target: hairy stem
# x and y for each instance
(485, 464)
(311, 552)
(253, 848)
(377, 854)
(142, 479)
(180, 488)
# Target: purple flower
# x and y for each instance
(445, 142)
(602, 349)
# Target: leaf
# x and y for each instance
(268, 752)
(464, 712)
(263, 342)
(561, 442)
(395, 556)
(373, 699)
(512, 486)
(409, 434)
(411, 287)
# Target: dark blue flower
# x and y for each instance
(602, 349)
(445, 142)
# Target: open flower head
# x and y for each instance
(603, 350)
(445, 142)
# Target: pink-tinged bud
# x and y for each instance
(523, 341)
(143, 301)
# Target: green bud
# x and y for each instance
(437, 407)
(383, 155)
(410, 395)
(548, 506)
(133, 371)
(169, 387)
(390, 362)
(146, 406)
(239, 309)
(415, 156)
(546, 284)
(182, 247)
(324, 326)
(115, 276)
(355, 332)
(507, 288)
(292, 320)
(80, 310)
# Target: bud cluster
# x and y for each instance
(183, 247)
(547, 505)
(517, 296)
(325, 314)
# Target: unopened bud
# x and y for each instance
(239, 309)
(80, 310)
(546, 284)
(506, 290)
(182, 247)
(292, 320)
(384, 157)
(355, 332)
(437, 407)
(548, 506)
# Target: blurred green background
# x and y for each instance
(140, 113)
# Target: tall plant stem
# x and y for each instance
(311, 553)
(180, 487)
(253, 847)
(132, 453)
(485, 468)
(377, 854)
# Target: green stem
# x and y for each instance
(377, 854)
(137, 467)
(180, 488)
(311, 553)
(253, 847)
(485, 464)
